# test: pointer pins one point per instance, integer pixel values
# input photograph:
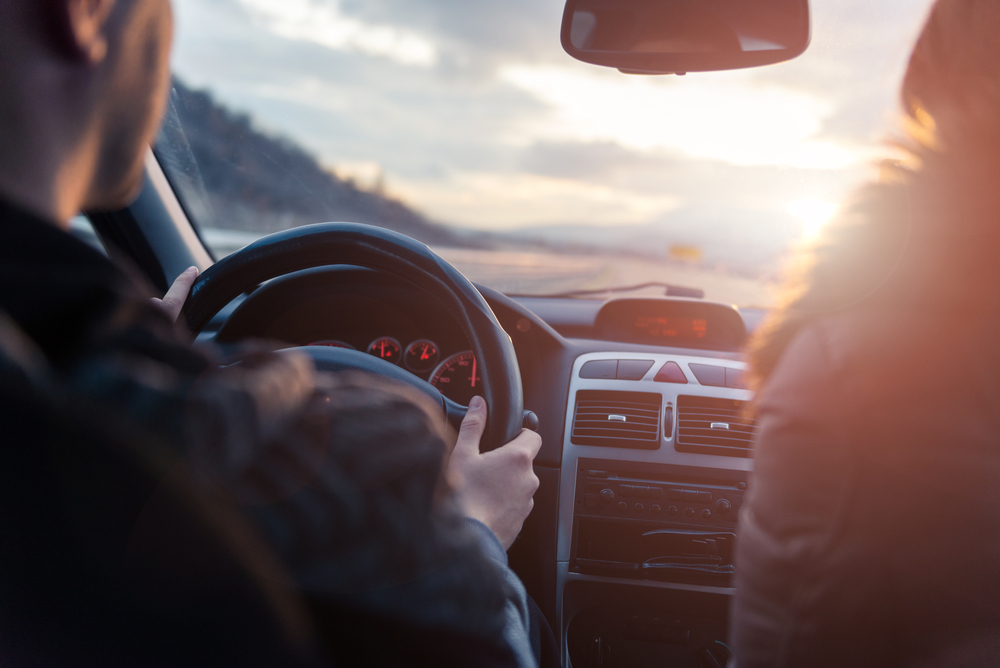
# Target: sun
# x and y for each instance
(814, 214)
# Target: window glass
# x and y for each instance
(465, 125)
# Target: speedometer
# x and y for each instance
(458, 378)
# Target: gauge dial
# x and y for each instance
(422, 356)
(333, 344)
(387, 348)
(458, 378)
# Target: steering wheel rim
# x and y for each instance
(382, 250)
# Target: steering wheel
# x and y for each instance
(383, 250)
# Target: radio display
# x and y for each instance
(674, 328)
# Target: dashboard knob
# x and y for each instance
(723, 506)
(622, 505)
(607, 496)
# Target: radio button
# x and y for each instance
(689, 511)
(638, 508)
(654, 492)
(735, 500)
(671, 373)
(655, 509)
(706, 374)
(633, 369)
(723, 506)
(606, 369)
(704, 497)
(706, 513)
(672, 510)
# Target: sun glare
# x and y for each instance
(814, 214)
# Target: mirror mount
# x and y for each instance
(680, 36)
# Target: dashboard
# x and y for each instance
(646, 444)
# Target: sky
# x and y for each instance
(472, 113)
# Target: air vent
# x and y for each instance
(617, 419)
(713, 426)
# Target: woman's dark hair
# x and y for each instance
(929, 232)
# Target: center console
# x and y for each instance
(656, 458)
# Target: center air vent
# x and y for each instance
(617, 419)
(713, 426)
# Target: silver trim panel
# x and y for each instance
(666, 454)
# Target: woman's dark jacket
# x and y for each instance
(871, 536)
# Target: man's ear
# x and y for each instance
(86, 21)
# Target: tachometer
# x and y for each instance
(421, 356)
(387, 348)
(458, 378)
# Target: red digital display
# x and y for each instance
(676, 328)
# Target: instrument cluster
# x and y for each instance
(457, 376)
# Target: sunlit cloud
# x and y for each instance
(512, 200)
(323, 23)
(717, 117)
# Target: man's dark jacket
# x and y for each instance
(156, 510)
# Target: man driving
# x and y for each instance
(160, 510)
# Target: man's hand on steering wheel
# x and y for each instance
(496, 487)
(173, 301)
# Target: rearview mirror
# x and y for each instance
(680, 36)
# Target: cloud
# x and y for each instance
(325, 24)
(695, 184)
(716, 117)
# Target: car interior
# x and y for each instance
(640, 400)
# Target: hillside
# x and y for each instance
(234, 176)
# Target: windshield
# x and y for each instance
(466, 126)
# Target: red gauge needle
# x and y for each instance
(473, 372)
(424, 354)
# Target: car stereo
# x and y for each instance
(656, 521)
